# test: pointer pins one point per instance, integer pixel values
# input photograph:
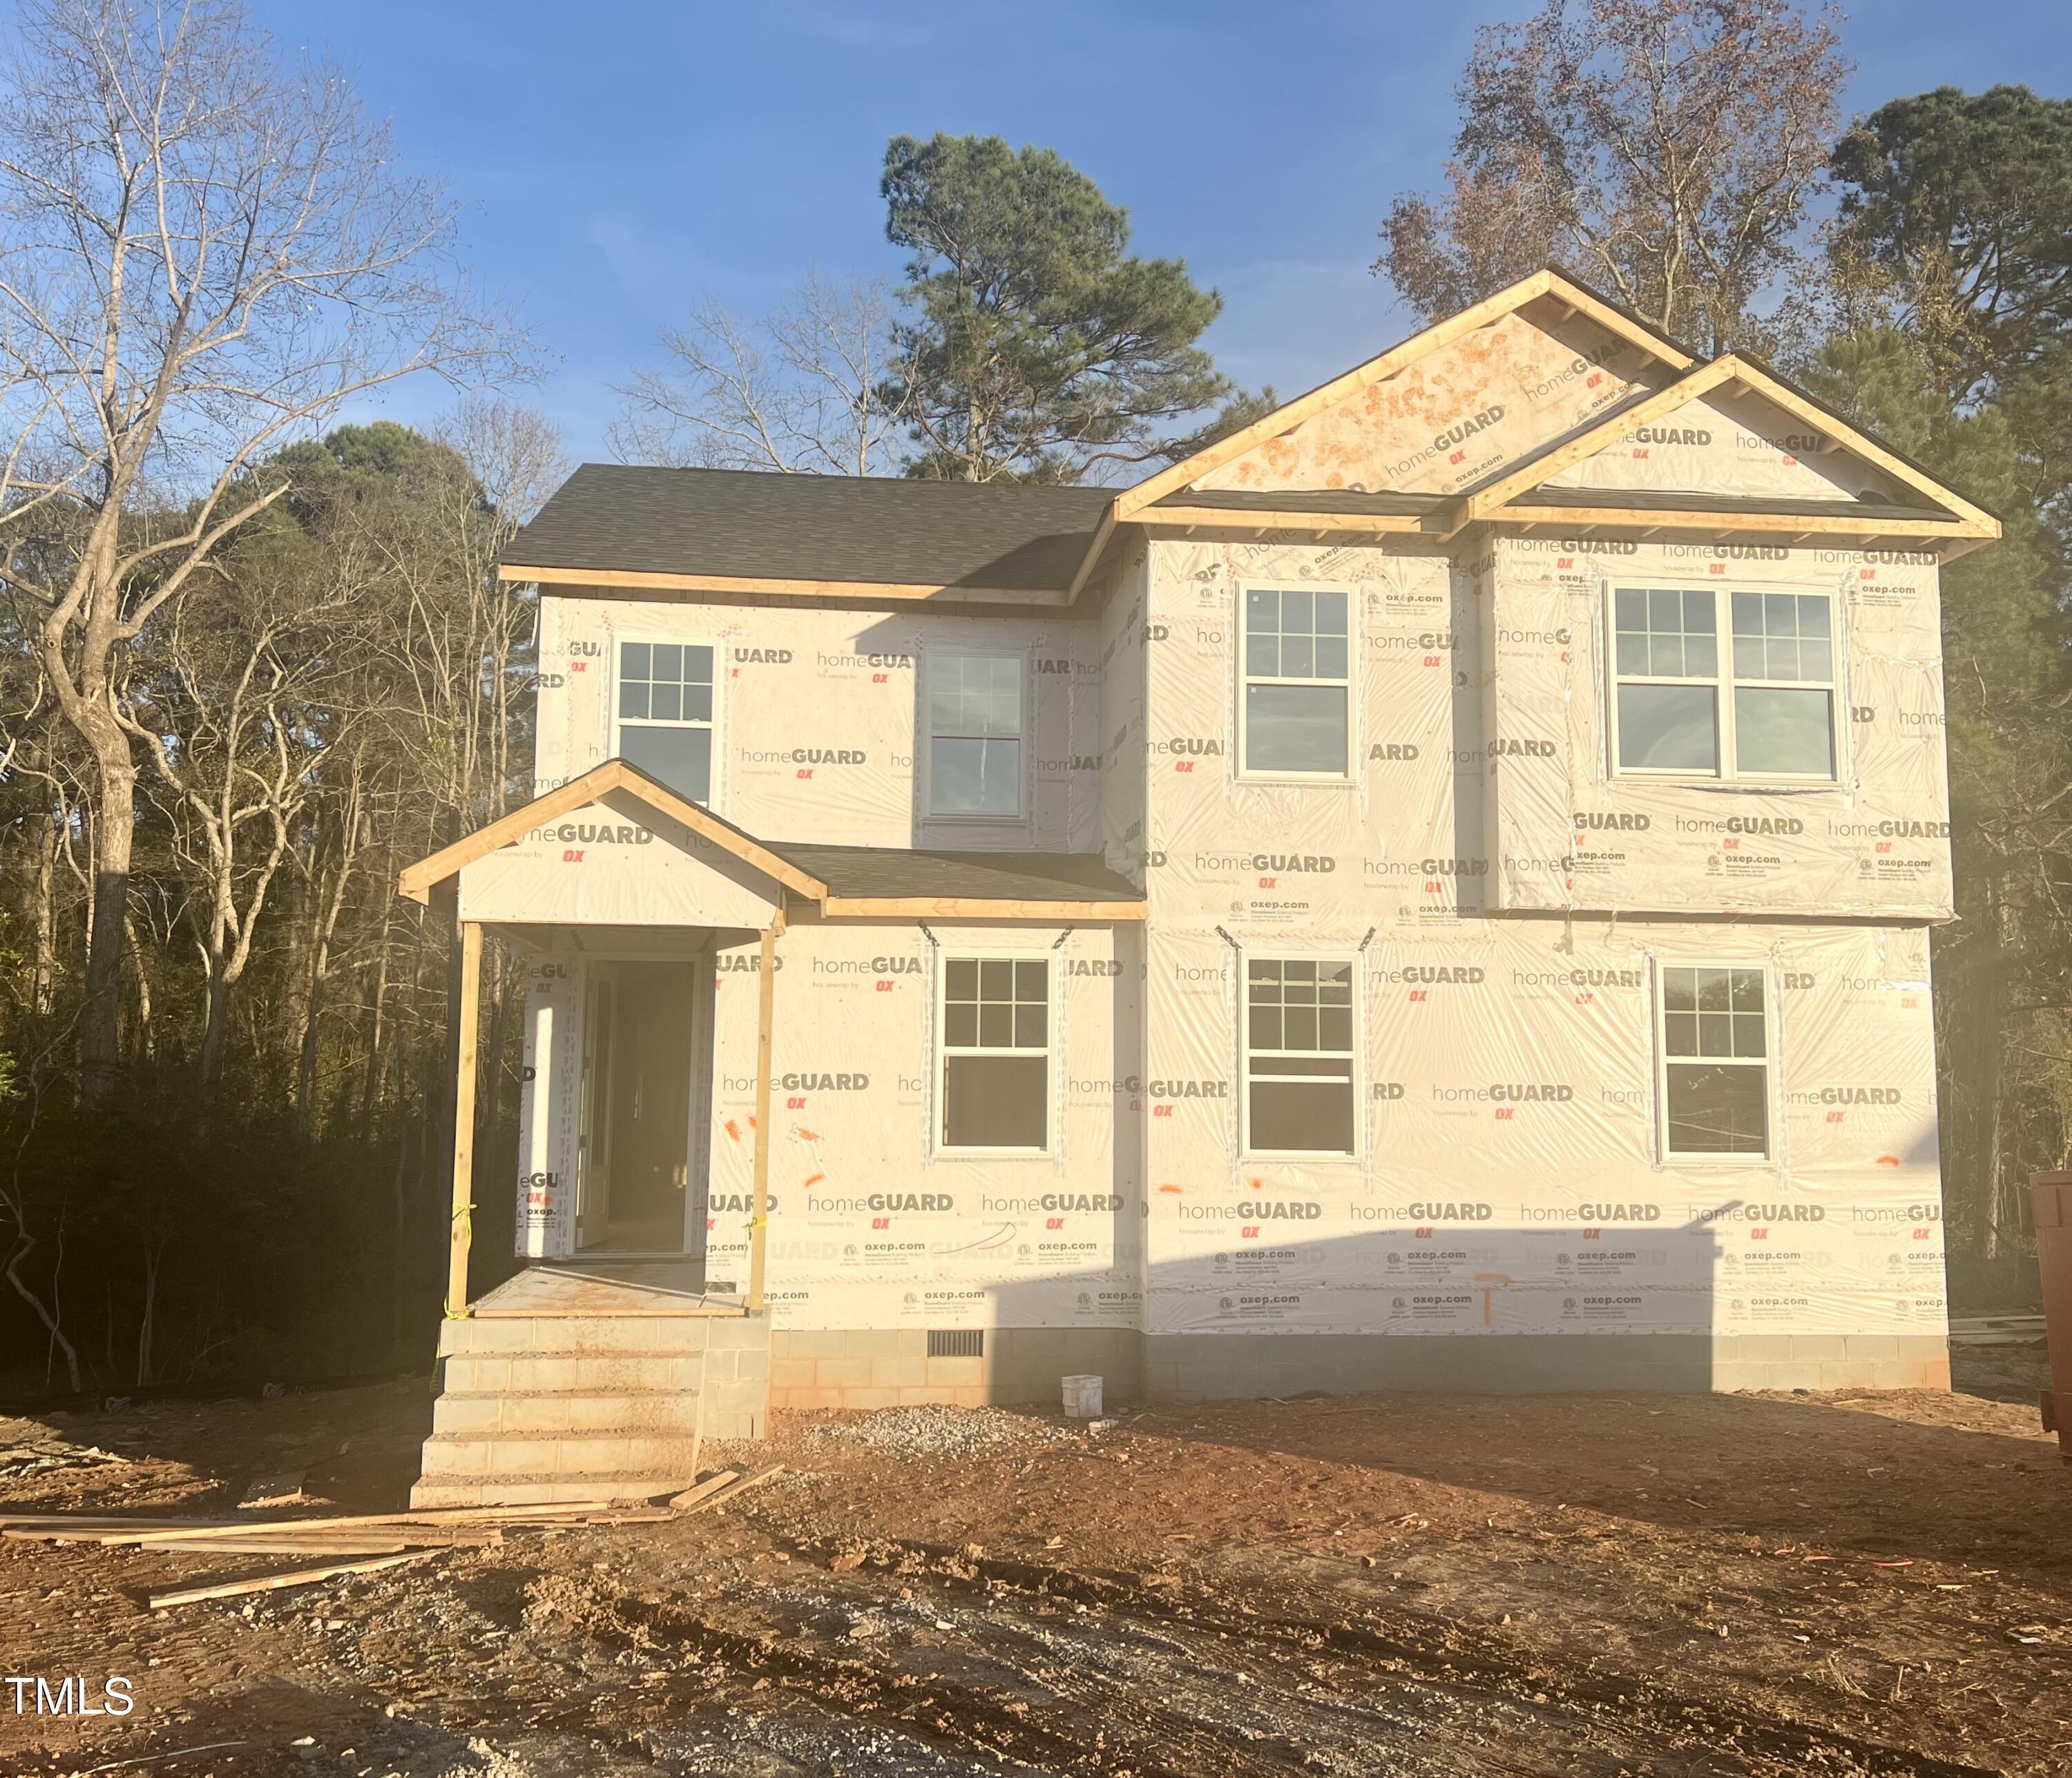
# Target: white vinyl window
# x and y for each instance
(976, 710)
(994, 1086)
(1762, 709)
(1298, 1056)
(1295, 712)
(665, 713)
(1714, 1087)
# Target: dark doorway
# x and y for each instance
(648, 1082)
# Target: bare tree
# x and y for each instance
(1665, 149)
(203, 253)
(802, 388)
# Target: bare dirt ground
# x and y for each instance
(1419, 1585)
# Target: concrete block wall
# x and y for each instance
(891, 1368)
(1206, 1367)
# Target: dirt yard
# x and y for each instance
(1587, 1585)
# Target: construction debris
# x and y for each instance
(265, 1583)
(940, 1431)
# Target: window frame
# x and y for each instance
(1725, 682)
(1666, 1155)
(617, 722)
(1242, 724)
(1026, 739)
(1354, 1155)
(939, 1143)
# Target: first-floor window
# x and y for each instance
(996, 1053)
(1715, 1062)
(1298, 1056)
(665, 713)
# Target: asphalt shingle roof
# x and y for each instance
(746, 524)
(879, 872)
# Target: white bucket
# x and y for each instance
(1083, 1398)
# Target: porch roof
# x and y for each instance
(859, 881)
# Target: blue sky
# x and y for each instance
(616, 157)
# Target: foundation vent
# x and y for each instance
(956, 1342)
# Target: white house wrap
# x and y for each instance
(1433, 891)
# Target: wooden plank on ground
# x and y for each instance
(754, 1478)
(554, 1512)
(295, 1577)
(704, 1490)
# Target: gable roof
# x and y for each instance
(719, 530)
(1575, 297)
(1522, 488)
(845, 880)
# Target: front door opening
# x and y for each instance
(641, 1054)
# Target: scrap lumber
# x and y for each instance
(711, 1485)
(552, 1513)
(754, 1478)
(295, 1577)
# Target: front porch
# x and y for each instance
(573, 1381)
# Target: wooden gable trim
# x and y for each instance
(1398, 359)
(974, 907)
(611, 579)
(417, 879)
(1593, 438)
(1247, 519)
(1493, 501)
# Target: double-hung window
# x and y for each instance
(1715, 1061)
(1296, 714)
(975, 742)
(1298, 1056)
(1763, 709)
(665, 713)
(995, 1086)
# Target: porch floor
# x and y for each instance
(665, 1287)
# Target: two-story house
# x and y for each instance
(1432, 891)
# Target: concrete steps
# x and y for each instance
(541, 1408)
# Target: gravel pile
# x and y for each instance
(937, 1431)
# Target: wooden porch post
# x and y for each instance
(758, 1225)
(463, 1155)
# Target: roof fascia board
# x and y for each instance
(975, 907)
(417, 880)
(1241, 518)
(611, 579)
(1840, 523)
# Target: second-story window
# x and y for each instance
(665, 713)
(1762, 709)
(975, 723)
(1296, 715)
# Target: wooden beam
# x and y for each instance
(1843, 523)
(265, 1583)
(766, 1007)
(465, 1069)
(968, 907)
(1293, 519)
(609, 580)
